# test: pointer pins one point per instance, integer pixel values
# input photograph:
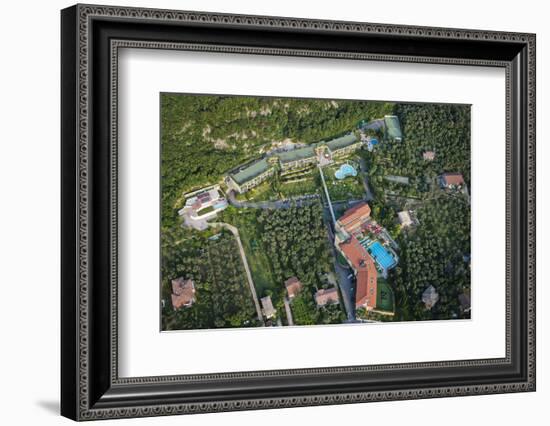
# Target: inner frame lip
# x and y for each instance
(115, 46)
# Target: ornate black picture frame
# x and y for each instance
(91, 36)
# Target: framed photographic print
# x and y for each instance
(263, 212)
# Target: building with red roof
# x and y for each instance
(183, 292)
(365, 272)
(354, 217)
(451, 180)
(327, 296)
(293, 287)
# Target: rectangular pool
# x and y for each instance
(382, 256)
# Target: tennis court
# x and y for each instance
(381, 256)
(384, 296)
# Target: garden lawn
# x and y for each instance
(262, 192)
(297, 188)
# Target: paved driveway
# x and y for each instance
(288, 312)
(347, 285)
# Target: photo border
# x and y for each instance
(114, 141)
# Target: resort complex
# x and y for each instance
(252, 174)
(323, 153)
(363, 226)
(358, 239)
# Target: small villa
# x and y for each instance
(328, 296)
(267, 307)
(430, 297)
(405, 219)
(202, 205)
(293, 287)
(183, 293)
(451, 180)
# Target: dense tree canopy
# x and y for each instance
(295, 240)
(437, 253)
(223, 298)
(202, 137)
(443, 129)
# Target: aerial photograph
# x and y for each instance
(279, 212)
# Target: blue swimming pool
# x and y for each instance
(382, 256)
(344, 171)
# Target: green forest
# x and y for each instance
(296, 244)
(437, 253)
(204, 136)
(283, 243)
(442, 128)
(223, 299)
(295, 240)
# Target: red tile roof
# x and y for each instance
(330, 295)
(293, 286)
(365, 269)
(354, 216)
(453, 179)
(183, 292)
(356, 212)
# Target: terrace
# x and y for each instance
(201, 206)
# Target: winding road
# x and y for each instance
(369, 195)
(279, 204)
(345, 282)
